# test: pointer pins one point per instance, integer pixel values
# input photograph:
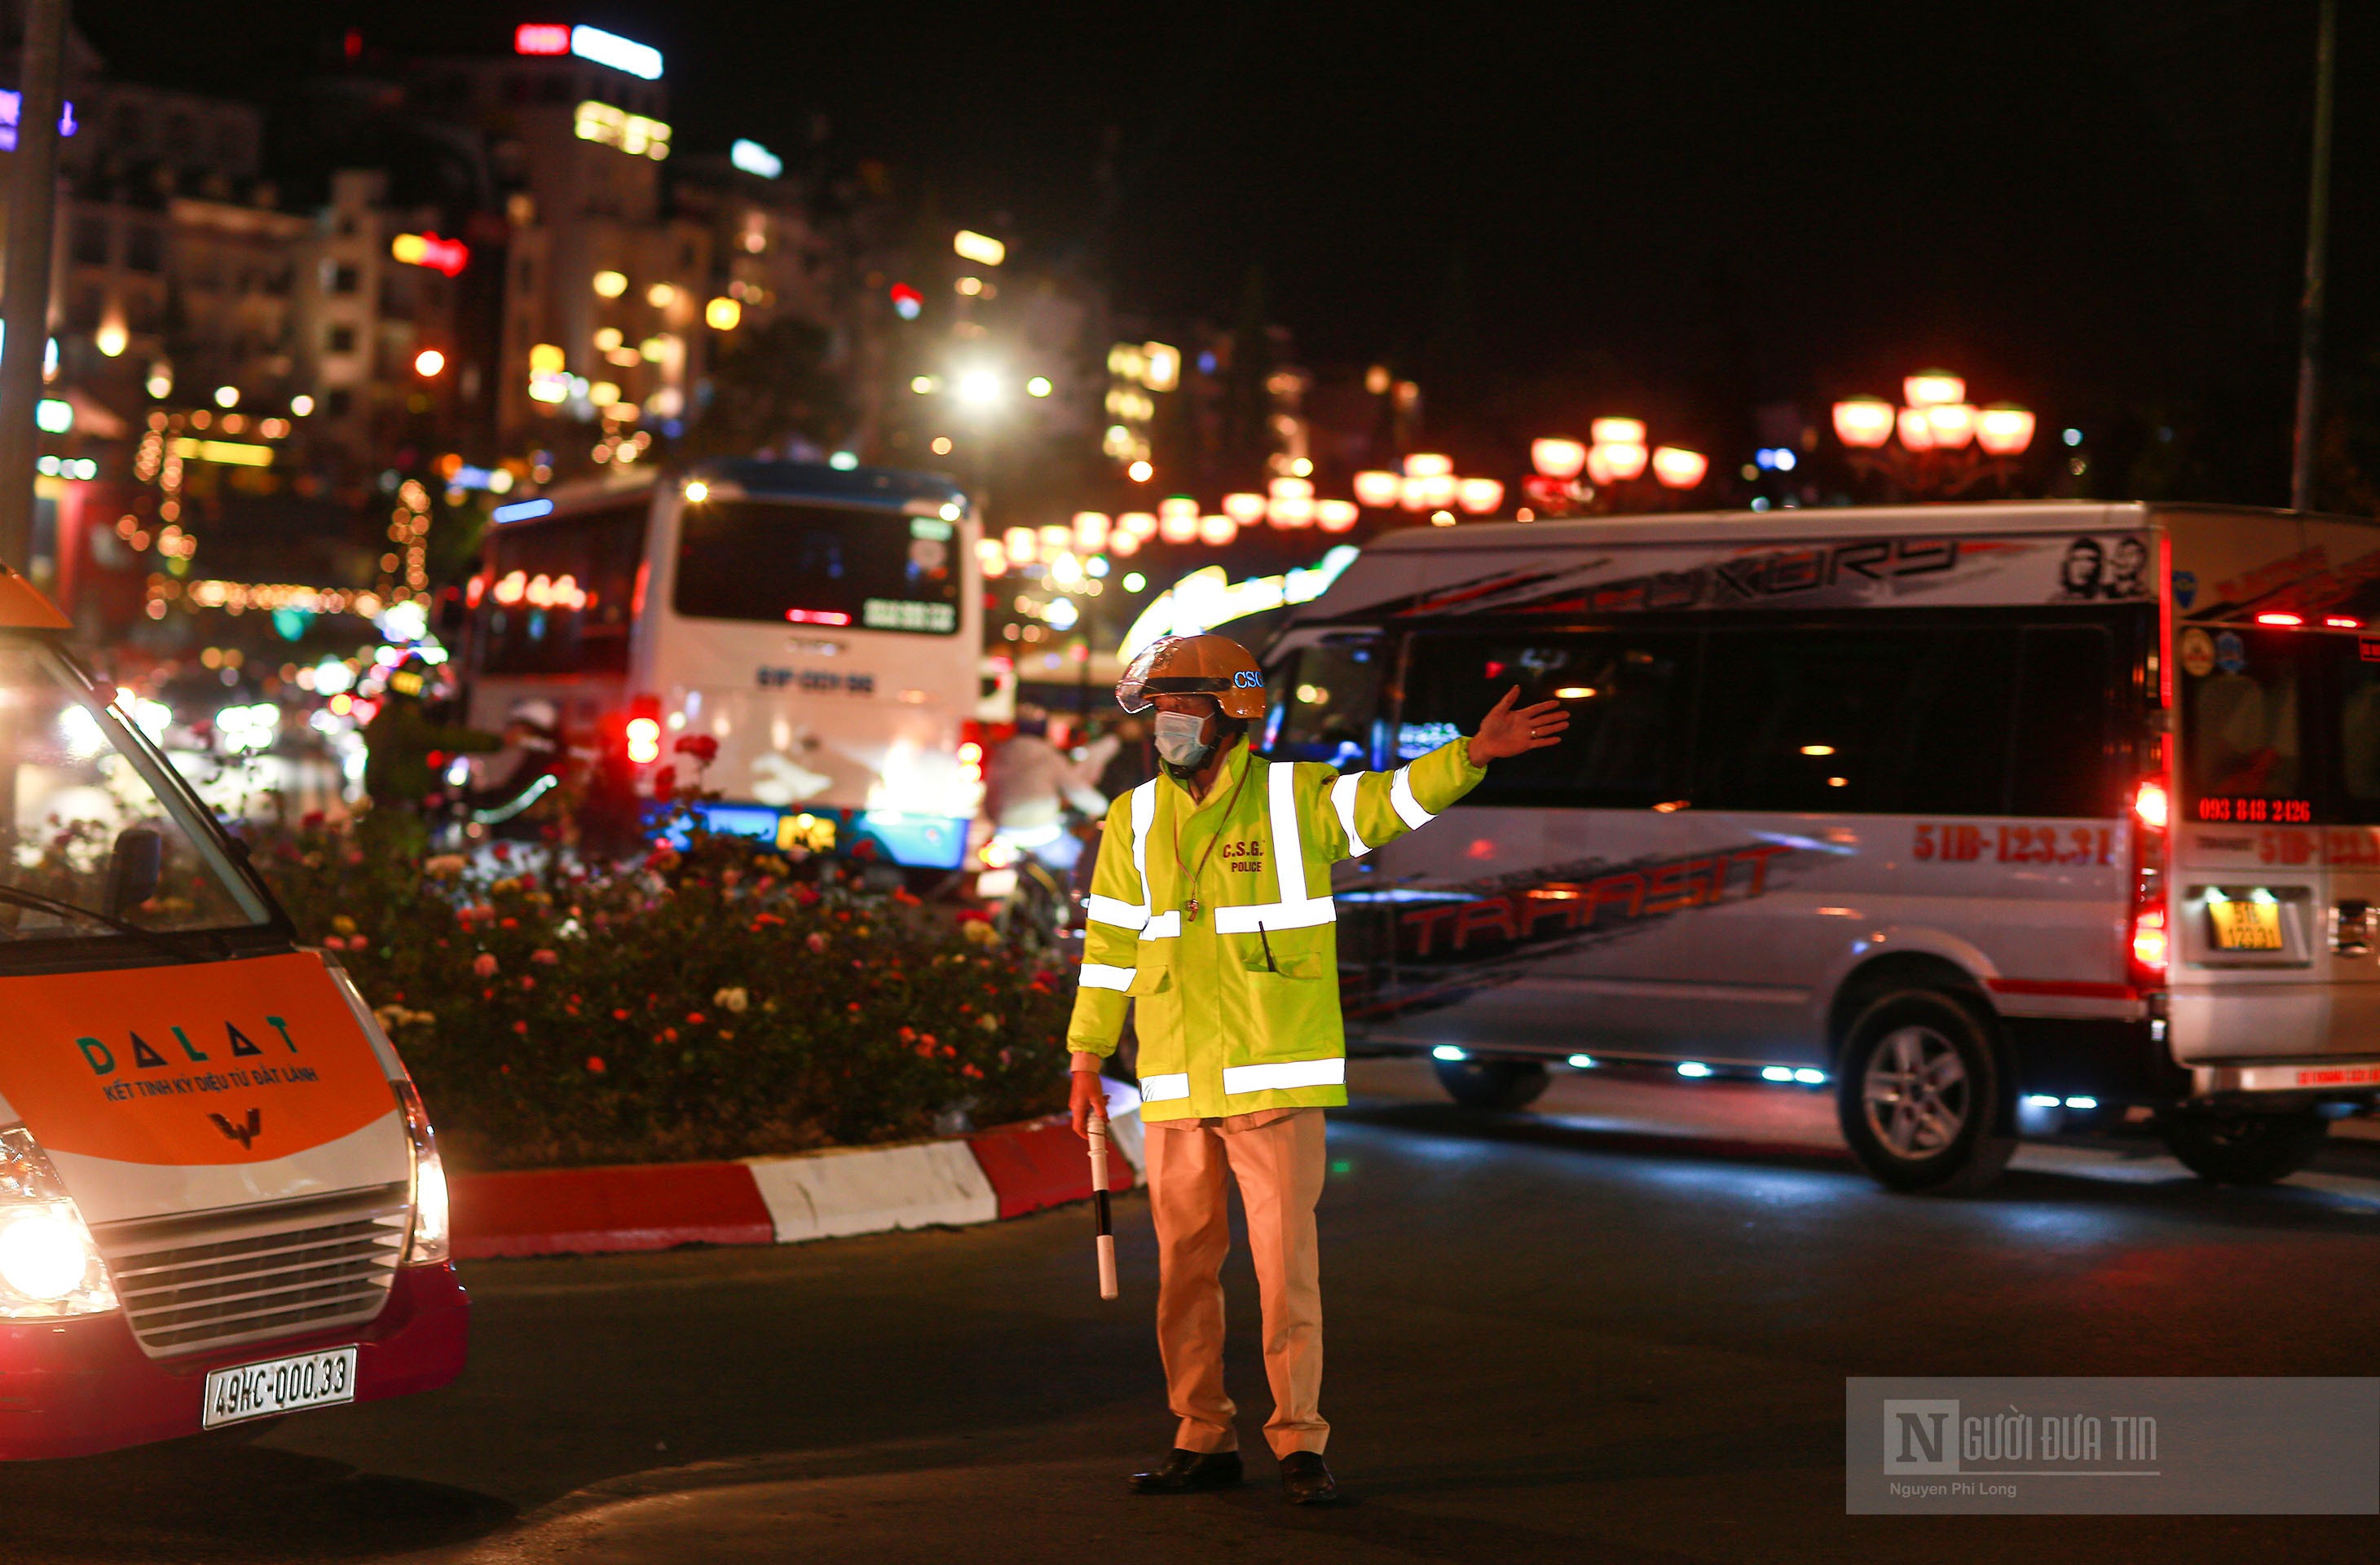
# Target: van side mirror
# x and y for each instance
(135, 870)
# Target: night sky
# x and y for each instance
(2095, 208)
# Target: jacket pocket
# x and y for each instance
(1298, 954)
(1150, 978)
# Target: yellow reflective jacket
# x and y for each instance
(1239, 996)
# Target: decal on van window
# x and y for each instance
(202, 1063)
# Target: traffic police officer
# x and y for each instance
(1210, 908)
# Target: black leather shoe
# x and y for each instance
(1188, 1472)
(1306, 1479)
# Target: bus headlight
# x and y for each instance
(49, 1265)
(432, 1240)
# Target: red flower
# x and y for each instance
(909, 1034)
(694, 1018)
(971, 1071)
(669, 1035)
(502, 852)
(975, 916)
(701, 747)
(619, 1015)
(807, 895)
(508, 923)
(665, 783)
(595, 1064)
(520, 1027)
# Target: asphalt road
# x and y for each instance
(1614, 1329)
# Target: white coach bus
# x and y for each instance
(1957, 809)
(821, 625)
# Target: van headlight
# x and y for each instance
(433, 1239)
(49, 1265)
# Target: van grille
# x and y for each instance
(212, 1279)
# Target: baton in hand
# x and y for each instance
(1106, 1242)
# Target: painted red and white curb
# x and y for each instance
(982, 1178)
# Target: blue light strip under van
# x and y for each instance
(522, 509)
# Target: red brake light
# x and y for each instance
(2151, 806)
(2280, 619)
(2341, 621)
(2149, 939)
(2150, 945)
(816, 616)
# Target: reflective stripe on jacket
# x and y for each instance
(1238, 1007)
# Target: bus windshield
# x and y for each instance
(91, 808)
(783, 562)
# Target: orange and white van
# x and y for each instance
(220, 1199)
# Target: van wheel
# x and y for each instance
(2244, 1148)
(1492, 1084)
(1918, 1096)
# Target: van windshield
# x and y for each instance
(90, 806)
(781, 562)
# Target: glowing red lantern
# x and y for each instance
(1557, 457)
(1864, 423)
(1679, 468)
(2004, 429)
(1930, 388)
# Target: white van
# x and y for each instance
(822, 627)
(220, 1200)
(1954, 808)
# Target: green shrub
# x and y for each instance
(725, 1001)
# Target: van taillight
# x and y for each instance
(644, 730)
(2147, 953)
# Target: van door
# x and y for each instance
(1528, 916)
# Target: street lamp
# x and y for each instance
(1946, 445)
(1618, 455)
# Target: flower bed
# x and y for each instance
(725, 1001)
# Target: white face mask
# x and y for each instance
(1178, 741)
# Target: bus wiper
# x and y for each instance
(17, 896)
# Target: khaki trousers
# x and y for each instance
(1279, 1167)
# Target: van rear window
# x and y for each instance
(2279, 727)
